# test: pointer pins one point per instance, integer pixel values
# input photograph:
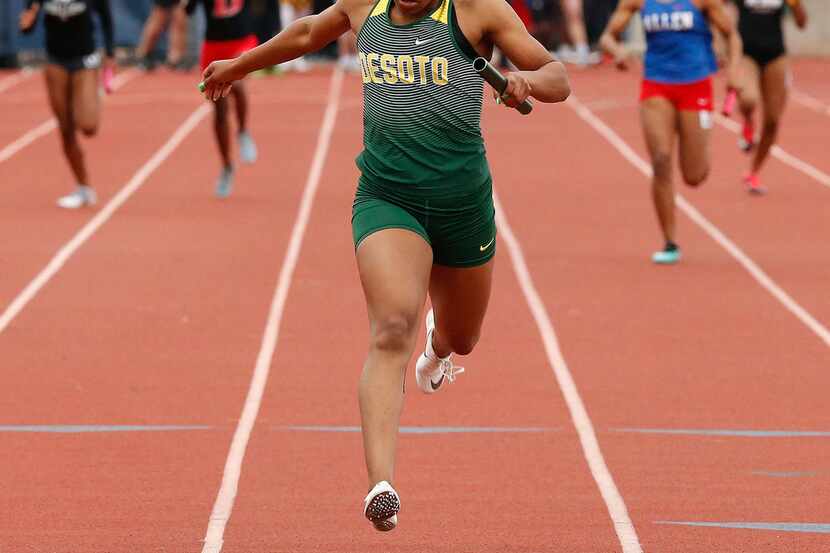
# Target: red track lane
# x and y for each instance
(465, 492)
(785, 232)
(695, 346)
(159, 317)
(811, 77)
(157, 320)
(33, 178)
(23, 107)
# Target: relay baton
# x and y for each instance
(201, 87)
(729, 102)
(498, 82)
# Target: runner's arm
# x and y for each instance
(540, 75)
(28, 17)
(799, 12)
(610, 39)
(721, 20)
(103, 9)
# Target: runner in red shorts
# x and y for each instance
(676, 96)
(229, 34)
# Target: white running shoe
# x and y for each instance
(381, 507)
(432, 371)
(82, 196)
(247, 147)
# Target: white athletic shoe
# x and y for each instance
(82, 196)
(432, 371)
(381, 507)
(247, 147)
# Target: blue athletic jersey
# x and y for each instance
(678, 42)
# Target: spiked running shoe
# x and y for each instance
(753, 184)
(247, 148)
(224, 184)
(668, 255)
(381, 507)
(82, 196)
(432, 371)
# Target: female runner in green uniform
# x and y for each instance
(423, 217)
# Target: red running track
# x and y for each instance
(158, 320)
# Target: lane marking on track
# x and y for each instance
(17, 78)
(223, 506)
(727, 432)
(426, 429)
(809, 101)
(87, 428)
(781, 154)
(101, 217)
(743, 259)
(626, 533)
(51, 124)
(805, 527)
(778, 474)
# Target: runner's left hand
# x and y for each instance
(517, 91)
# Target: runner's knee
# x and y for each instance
(394, 332)
(661, 165)
(748, 101)
(89, 129)
(696, 177)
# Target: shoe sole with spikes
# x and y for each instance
(381, 507)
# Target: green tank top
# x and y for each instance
(421, 102)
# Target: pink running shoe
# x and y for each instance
(747, 140)
(753, 184)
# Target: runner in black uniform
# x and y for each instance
(765, 74)
(229, 33)
(72, 76)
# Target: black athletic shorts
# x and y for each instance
(763, 56)
(166, 3)
(91, 61)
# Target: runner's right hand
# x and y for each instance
(218, 78)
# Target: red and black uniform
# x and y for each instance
(759, 24)
(70, 31)
(229, 29)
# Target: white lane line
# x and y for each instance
(17, 78)
(69, 249)
(223, 506)
(626, 533)
(30, 136)
(746, 262)
(781, 154)
(809, 102)
(51, 124)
